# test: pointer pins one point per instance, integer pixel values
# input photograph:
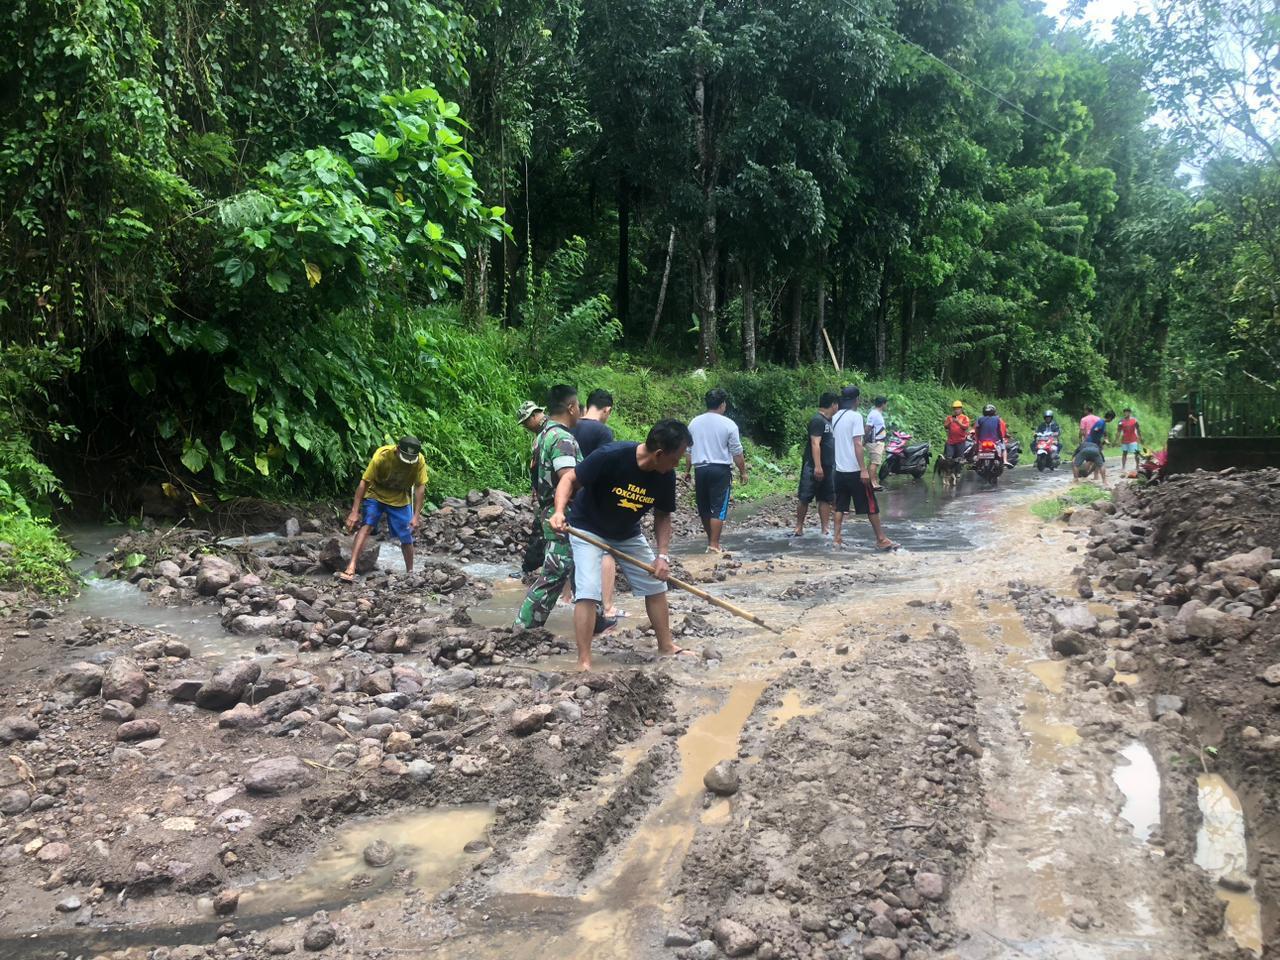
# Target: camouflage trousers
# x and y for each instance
(555, 575)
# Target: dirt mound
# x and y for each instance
(1200, 556)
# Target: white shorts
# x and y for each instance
(586, 567)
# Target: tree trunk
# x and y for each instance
(475, 277)
(623, 304)
(882, 322)
(907, 331)
(818, 347)
(708, 250)
(796, 289)
(748, 319)
(662, 289)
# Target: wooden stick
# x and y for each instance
(674, 581)
(830, 349)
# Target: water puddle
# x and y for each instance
(501, 608)
(792, 706)
(1139, 780)
(431, 843)
(1051, 673)
(1047, 737)
(1221, 850)
(200, 627)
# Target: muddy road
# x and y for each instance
(956, 750)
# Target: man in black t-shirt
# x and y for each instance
(611, 491)
(592, 431)
(818, 472)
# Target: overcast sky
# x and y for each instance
(1099, 14)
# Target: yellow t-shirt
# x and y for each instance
(390, 480)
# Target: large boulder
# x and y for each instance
(1074, 616)
(1210, 624)
(734, 938)
(213, 574)
(225, 688)
(1252, 564)
(277, 775)
(1070, 643)
(334, 558)
(722, 779)
(82, 680)
(531, 719)
(18, 727)
(252, 625)
(124, 680)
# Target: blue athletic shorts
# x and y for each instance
(1129, 447)
(397, 518)
(711, 485)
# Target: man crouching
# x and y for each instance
(611, 491)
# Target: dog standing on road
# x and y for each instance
(949, 470)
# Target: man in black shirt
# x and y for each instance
(611, 491)
(818, 472)
(591, 431)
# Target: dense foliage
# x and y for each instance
(242, 245)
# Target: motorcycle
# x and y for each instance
(987, 462)
(1152, 466)
(902, 456)
(1047, 450)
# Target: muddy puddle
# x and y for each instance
(1139, 780)
(1223, 853)
(625, 903)
(429, 851)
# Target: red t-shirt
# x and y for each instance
(957, 428)
(1129, 430)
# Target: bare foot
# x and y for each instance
(584, 666)
(673, 652)
(711, 549)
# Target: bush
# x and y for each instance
(33, 556)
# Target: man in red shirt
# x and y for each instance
(1130, 439)
(957, 426)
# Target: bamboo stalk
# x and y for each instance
(674, 581)
(830, 349)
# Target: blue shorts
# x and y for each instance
(1129, 447)
(397, 518)
(586, 567)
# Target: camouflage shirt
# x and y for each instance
(554, 451)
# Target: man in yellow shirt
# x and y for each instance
(395, 475)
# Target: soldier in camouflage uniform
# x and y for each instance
(555, 452)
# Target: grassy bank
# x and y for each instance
(1081, 495)
(32, 555)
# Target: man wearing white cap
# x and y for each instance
(395, 477)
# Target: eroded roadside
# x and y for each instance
(913, 768)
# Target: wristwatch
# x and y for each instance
(663, 556)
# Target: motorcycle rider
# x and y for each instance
(957, 426)
(1050, 427)
(989, 426)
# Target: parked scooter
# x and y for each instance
(1048, 452)
(902, 456)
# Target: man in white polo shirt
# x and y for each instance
(848, 433)
(717, 447)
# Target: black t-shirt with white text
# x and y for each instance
(820, 426)
(616, 493)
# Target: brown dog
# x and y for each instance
(949, 470)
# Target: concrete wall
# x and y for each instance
(1218, 453)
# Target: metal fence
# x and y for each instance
(1206, 413)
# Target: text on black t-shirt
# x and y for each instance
(616, 493)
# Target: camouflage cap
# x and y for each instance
(527, 410)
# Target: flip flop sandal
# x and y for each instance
(346, 577)
(889, 547)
